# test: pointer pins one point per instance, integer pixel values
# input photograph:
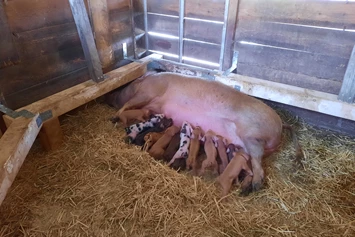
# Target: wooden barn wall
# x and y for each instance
(296, 42)
(41, 53)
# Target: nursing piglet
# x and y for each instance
(211, 153)
(157, 150)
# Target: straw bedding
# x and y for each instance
(96, 185)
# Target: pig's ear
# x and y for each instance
(234, 153)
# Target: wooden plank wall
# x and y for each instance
(50, 56)
(298, 42)
(202, 39)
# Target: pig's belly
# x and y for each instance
(197, 117)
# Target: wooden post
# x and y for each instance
(87, 39)
(101, 23)
(14, 147)
(347, 91)
(51, 135)
(231, 23)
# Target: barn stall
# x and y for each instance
(59, 58)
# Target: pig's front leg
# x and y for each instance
(194, 148)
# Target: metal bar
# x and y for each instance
(181, 28)
(347, 91)
(82, 23)
(133, 30)
(145, 9)
(224, 32)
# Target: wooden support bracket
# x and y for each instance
(51, 134)
(347, 91)
(14, 147)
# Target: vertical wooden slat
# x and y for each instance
(101, 25)
(347, 91)
(87, 39)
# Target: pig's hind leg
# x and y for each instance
(255, 149)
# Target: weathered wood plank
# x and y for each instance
(8, 51)
(32, 72)
(294, 96)
(14, 147)
(323, 41)
(87, 39)
(24, 15)
(80, 94)
(117, 4)
(311, 64)
(51, 135)
(101, 27)
(35, 43)
(347, 92)
(339, 14)
(289, 78)
(42, 90)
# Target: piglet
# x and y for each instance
(158, 149)
(133, 130)
(185, 136)
(150, 139)
(134, 114)
(194, 148)
(172, 148)
(211, 153)
(221, 148)
(163, 124)
(237, 164)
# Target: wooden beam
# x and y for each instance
(14, 147)
(291, 95)
(51, 135)
(87, 39)
(347, 91)
(67, 100)
(101, 24)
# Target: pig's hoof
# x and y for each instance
(257, 186)
(246, 190)
(114, 119)
(128, 140)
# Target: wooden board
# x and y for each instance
(37, 92)
(302, 98)
(14, 147)
(322, 41)
(33, 72)
(83, 26)
(8, 51)
(24, 15)
(48, 40)
(289, 78)
(311, 64)
(80, 94)
(339, 14)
